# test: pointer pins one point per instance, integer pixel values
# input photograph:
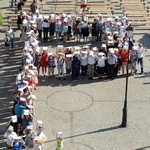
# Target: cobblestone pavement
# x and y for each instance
(87, 112)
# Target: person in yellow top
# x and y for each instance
(59, 141)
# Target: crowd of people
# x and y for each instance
(71, 63)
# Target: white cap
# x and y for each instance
(52, 15)
(34, 25)
(66, 20)
(119, 23)
(116, 17)
(77, 48)
(37, 11)
(110, 37)
(69, 16)
(26, 112)
(69, 47)
(57, 17)
(10, 128)
(37, 49)
(84, 52)
(40, 123)
(116, 32)
(60, 46)
(85, 47)
(30, 127)
(76, 52)
(33, 96)
(32, 21)
(22, 99)
(112, 51)
(46, 17)
(94, 49)
(24, 13)
(45, 48)
(91, 53)
(69, 55)
(64, 15)
(59, 134)
(101, 54)
(14, 119)
(40, 16)
(103, 45)
(110, 42)
(125, 47)
(16, 137)
(110, 19)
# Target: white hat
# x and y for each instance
(16, 137)
(110, 37)
(60, 46)
(66, 20)
(22, 99)
(91, 53)
(110, 19)
(45, 48)
(119, 23)
(76, 52)
(69, 55)
(116, 32)
(103, 45)
(46, 17)
(57, 17)
(34, 25)
(112, 51)
(101, 54)
(69, 16)
(59, 134)
(64, 15)
(26, 112)
(110, 42)
(25, 82)
(52, 15)
(10, 128)
(94, 48)
(28, 76)
(40, 123)
(28, 61)
(69, 47)
(32, 21)
(77, 48)
(116, 17)
(30, 127)
(14, 119)
(84, 52)
(85, 47)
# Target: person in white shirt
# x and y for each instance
(91, 64)
(10, 134)
(84, 63)
(141, 50)
(101, 64)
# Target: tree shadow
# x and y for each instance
(143, 148)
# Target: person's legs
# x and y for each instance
(12, 43)
(140, 60)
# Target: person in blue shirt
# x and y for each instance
(18, 143)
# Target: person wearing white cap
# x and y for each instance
(65, 30)
(101, 64)
(58, 28)
(59, 141)
(18, 143)
(85, 30)
(52, 28)
(68, 61)
(45, 28)
(112, 62)
(30, 135)
(37, 59)
(9, 134)
(44, 58)
(76, 67)
(60, 65)
(84, 63)
(51, 64)
(91, 64)
(78, 28)
(94, 30)
(100, 27)
(39, 26)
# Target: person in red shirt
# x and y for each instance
(124, 56)
(44, 60)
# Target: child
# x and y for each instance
(7, 43)
(44, 61)
(59, 140)
(68, 64)
(51, 64)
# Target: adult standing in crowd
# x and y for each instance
(33, 6)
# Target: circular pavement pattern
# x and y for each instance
(69, 101)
